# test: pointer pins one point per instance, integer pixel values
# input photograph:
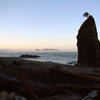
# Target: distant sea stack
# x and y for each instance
(29, 56)
(88, 44)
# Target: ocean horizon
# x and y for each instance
(63, 57)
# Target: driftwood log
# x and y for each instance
(79, 76)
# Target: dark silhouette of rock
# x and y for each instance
(29, 56)
(88, 44)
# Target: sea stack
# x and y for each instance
(88, 44)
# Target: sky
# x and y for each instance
(52, 24)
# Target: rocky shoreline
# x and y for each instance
(47, 80)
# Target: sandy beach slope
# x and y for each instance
(45, 77)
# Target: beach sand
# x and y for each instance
(47, 78)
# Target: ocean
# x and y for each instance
(62, 57)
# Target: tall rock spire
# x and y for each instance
(88, 44)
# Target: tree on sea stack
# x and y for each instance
(86, 14)
(87, 43)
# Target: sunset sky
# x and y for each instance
(32, 24)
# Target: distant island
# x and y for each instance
(47, 49)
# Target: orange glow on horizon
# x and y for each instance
(32, 45)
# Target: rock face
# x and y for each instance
(88, 44)
(29, 56)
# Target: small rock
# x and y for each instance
(91, 95)
(62, 97)
(29, 56)
(3, 95)
(12, 96)
(17, 63)
(20, 98)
